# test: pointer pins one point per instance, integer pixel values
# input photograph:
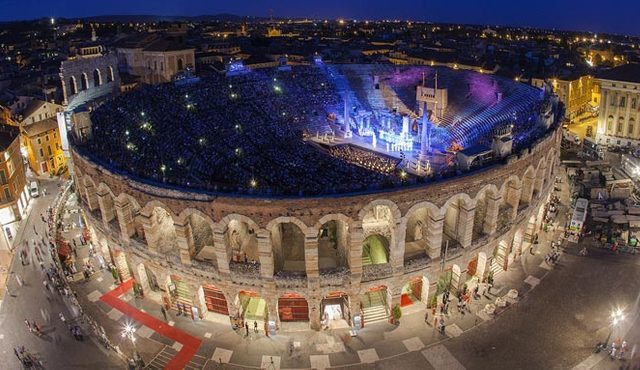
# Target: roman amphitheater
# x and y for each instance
(290, 254)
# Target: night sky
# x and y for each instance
(619, 16)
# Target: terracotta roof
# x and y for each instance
(38, 128)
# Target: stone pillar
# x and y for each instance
(124, 212)
(490, 224)
(184, 239)
(465, 224)
(396, 254)
(92, 198)
(355, 252)
(311, 255)
(314, 314)
(105, 201)
(435, 228)
(273, 310)
(265, 253)
(527, 189)
(222, 256)
(539, 182)
(354, 308)
(150, 228)
(481, 266)
(513, 198)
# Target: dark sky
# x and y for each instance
(616, 16)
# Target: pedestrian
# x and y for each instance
(446, 308)
(26, 322)
(164, 313)
(36, 326)
(426, 317)
(62, 318)
(266, 329)
(623, 349)
(74, 243)
(46, 285)
(246, 329)
(17, 353)
(255, 326)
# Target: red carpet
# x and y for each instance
(190, 344)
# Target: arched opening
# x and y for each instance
(73, 86)
(202, 235)
(97, 78)
(378, 220)
(415, 291)
(214, 299)
(252, 308)
(84, 80)
(423, 234)
(181, 297)
(110, 74)
(333, 245)
(180, 64)
(292, 307)
(375, 305)
(288, 248)
(165, 232)
(335, 311)
(243, 242)
(499, 260)
(375, 250)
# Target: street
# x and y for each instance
(56, 348)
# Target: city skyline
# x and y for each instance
(567, 15)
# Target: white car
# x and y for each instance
(33, 189)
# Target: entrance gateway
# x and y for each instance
(335, 310)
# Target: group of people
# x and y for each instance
(228, 134)
(365, 158)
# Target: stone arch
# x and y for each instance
(84, 81)
(416, 289)
(180, 64)
(293, 306)
(195, 232)
(73, 86)
(334, 241)
(395, 211)
(291, 232)
(97, 78)
(458, 214)
(486, 213)
(423, 231)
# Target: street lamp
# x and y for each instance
(127, 332)
(617, 316)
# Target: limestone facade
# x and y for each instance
(483, 219)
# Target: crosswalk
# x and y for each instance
(167, 353)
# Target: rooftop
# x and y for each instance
(624, 73)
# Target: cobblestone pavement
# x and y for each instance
(56, 347)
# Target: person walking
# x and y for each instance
(26, 322)
(62, 318)
(255, 326)
(426, 317)
(164, 313)
(246, 329)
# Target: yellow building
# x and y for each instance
(575, 93)
(44, 147)
(14, 195)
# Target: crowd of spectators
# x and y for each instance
(240, 134)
